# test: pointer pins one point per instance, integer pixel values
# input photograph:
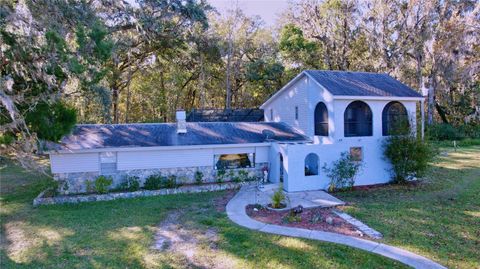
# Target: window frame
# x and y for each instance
(110, 163)
(317, 165)
(321, 107)
(250, 156)
(366, 123)
(386, 125)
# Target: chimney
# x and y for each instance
(181, 122)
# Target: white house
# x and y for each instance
(308, 123)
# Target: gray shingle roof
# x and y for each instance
(361, 84)
(95, 136)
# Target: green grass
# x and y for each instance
(119, 234)
(439, 219)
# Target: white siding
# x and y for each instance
(304, 94)
(262, 154)
(72, 163)
(164, 159)
(181, 157)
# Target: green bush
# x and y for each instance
(169, 182)
(343, 172)
(130, 183)
(243, 175)
(153, 182)
(198, 177)
(102, 183)
(220, 177)
(408, 155)
(278, 198)
(445, 131)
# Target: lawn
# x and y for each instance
(439, 219)
(120, 234)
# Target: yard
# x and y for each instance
(439, 219)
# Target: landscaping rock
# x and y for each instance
(329, 220)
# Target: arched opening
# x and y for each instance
(395, 119)
(321, 119)
(358, 120)
(311, 164)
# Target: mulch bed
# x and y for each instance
(310, 218)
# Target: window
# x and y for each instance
(311, 164)
(296, 112)
(232, 161)
(108, 163)
(394, 119)
(356, 153)
(321, 120)
(358, 120)
(271, 114)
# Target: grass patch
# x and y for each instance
(120, 234)
(439, 218)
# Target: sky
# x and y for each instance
(268, 10)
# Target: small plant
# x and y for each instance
(153, 182)
(221, 175)
(278, 199)
(342, 173)
(291, 218)
(408, 155)
(89, 186)
(102, 183)
(198, 177)
(170, 182)
(130, 183)
(243, 175)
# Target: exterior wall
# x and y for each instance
(71, 163)
(375, 169)
(182, 163)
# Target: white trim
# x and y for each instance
(381, 98)
(338, 97)
(118, 149)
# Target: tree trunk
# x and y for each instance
(115, 103)
(431, 100)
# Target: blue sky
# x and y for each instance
(268, 10)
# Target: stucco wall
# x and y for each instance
(375, 169)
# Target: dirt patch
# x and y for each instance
(222, 201)
(197, 246)
(318, 218)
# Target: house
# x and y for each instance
(308, 124)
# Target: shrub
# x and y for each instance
(89, 186)
(220, 175)
(102, 183)
(51, 121)
(243, 175)
(169, 182)
(153, 182)
(278, 198)
(342, 173)
(198, 177)
(443, 131)
(130, 183)
(408, 155)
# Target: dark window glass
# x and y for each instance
(296, 112)
(394, 119)
(358, 120)
(321, 120)
(232, 161)
(311, 165)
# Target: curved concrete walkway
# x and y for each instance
(236, 212)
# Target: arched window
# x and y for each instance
(358, 120)
(394, 119)
(321, 119)
(311, 164)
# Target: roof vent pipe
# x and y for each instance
(181, 122)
